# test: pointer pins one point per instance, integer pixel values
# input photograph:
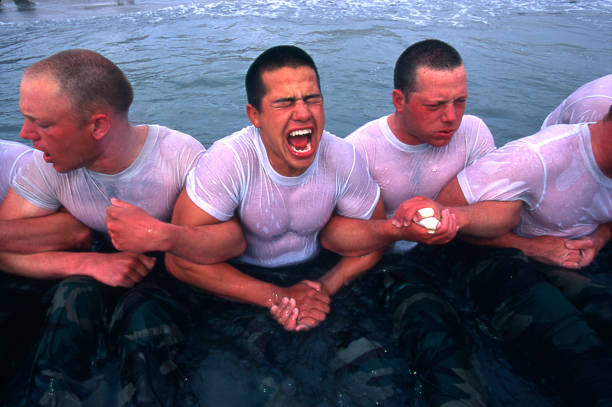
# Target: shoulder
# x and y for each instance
(168, 136)
(367, 132)
(334, 147)
(234, 150)
(472, 126)
(12, 149)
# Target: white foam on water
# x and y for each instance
(418, 12)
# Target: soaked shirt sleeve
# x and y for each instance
(358, 194)
(12, 156)
(478, 137)
(513, 172)
(34, 180)
(215, 183)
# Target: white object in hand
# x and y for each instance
(428, 221)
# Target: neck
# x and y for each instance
(399, 131)
(120, 148)
(601, 143)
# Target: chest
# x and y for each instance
(269, 210)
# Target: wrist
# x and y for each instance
(275, 296)
(461, 217)
(168, 235)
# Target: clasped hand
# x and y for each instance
(406, 216)
(301, 306)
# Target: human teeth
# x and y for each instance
(299, 140)
(302, 132)
(306, 148)
(428, 221)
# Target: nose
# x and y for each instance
(449, 115)
(27, 131)
(301, 111)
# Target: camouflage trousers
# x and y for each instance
(87, 324)
(549, 314)
(430, 333)
(21, 315)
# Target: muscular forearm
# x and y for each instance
(46, 266)
(347, 270)
(488, 219)
(507, 240)
(225, 281)
(354, 237)
(207, 244)
(59, 231)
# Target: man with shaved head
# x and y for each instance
(90, 159)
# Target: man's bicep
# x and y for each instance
(451, 194)
(379, 210)
(187, 213)
(15, 206)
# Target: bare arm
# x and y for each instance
(350, 268)
(114, 269)
(26, 228)
(343, 273)
(590, 245)
(226, 281)
(58, 231)
(133, 229)
(487, 219)
(117, 269)
(489, 227)
(355, 237)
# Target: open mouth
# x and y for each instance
(300, 142)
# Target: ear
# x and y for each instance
(253, 115)
(399, 100)
(100, 123)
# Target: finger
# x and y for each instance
(274, 310)
(573, 257)
(579, 244)
(142, 266)
(313, 284)
(311, 313)
(113, 241)
(149, 262)
(318, 297)
(278, 310)
(291, 322)
(287, 311)
(119, 203)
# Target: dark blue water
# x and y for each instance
(187, 59)
(187, 62)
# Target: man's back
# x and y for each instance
(588, 103)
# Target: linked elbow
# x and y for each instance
(178, 267)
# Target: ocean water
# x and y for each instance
(187, 60)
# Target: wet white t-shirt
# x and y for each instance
(404, 171)
(281, 216)
(588, 103)
(554, 172)
(152, 182)
(12, 155)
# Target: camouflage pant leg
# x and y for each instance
(532, 314)
(432, 337)
(21, 315)
(594, 300)
(147, 331)
(72, 340)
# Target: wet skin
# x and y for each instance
(291, 118)
(433, 112)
